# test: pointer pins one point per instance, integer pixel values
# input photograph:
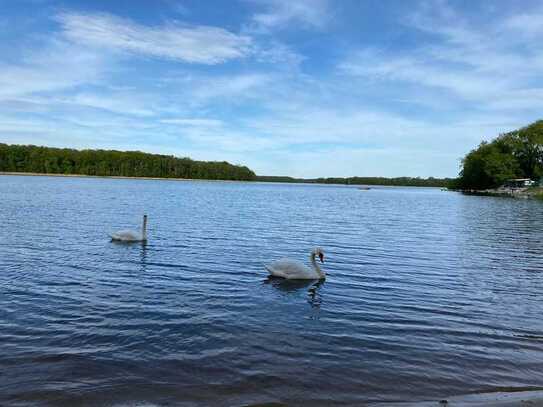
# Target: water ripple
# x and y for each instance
(429, 294)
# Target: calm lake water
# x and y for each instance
(429, 294)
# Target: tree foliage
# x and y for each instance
(518, 154)
(47, 160)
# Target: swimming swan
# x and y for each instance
(296, 270)
(130, 235)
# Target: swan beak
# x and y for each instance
(321, 257)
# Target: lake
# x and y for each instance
(429, 294)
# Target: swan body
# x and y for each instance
(130, 235)
(296, 270)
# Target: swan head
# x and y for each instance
(319, 252)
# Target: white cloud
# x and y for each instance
(279, 55)
(194, 122)
(372, 129)
(130, 103)
(526, 24)
(424, 70)
(191, 44)
(50, 70)
(472, 82)
(281, 13)
(201, 90)
(124, 104)
(475, 63)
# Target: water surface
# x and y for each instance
(429, 294)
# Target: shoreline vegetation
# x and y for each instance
(49, 161)
(520, 193)
(65, 161)
(43, 174)
(518, 154)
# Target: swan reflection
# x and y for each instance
(293, 286)
(133, 253)
(143, 256)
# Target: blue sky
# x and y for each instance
(304, 88)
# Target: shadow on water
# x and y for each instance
(295, 286)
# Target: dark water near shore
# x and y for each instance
(429, 294)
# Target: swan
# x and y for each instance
(130, 235)
(296, 270)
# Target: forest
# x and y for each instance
(517, 154)
(48, 160)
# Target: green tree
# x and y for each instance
(518, 154)
(18, 158)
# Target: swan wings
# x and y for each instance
(292, 270)
(127, 236)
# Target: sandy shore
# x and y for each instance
(532, 398)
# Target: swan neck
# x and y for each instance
(316, 265)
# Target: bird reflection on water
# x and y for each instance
(189, 317)
(142, 247)
(143, 256)
(294, 286)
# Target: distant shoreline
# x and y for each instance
(519, 193)
(257, 181)
(39, 174)
(24, 160)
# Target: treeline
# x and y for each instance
(517, 154)
(399, 181)
(47, 160)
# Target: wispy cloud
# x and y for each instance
(424, 70)
(479, 63)
(206, 123)
(41, 70)
(191, 44)
(281, 13)
(204, 89)
(123, 104)
(527, 24)
(255, 91)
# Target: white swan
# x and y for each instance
(130, 235)
(296, 270)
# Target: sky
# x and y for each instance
(305, 88)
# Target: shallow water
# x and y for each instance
(429, 294)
